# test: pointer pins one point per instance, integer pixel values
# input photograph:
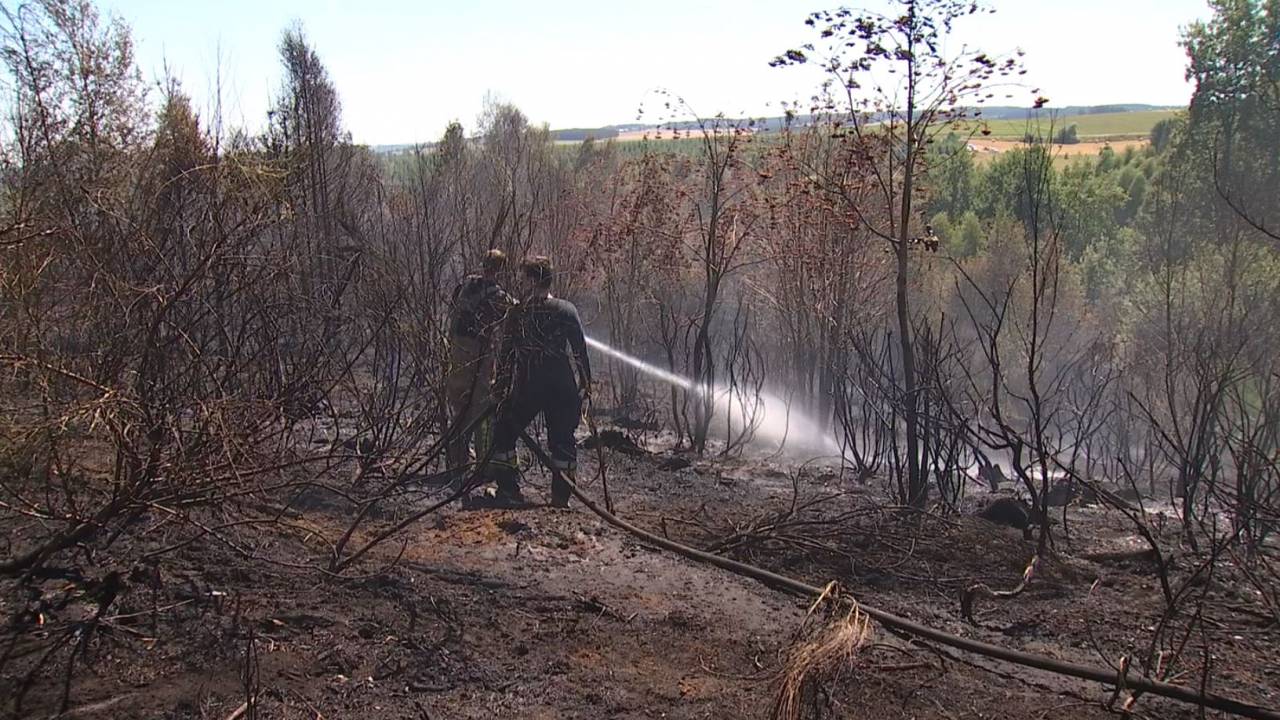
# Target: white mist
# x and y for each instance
(775, 422)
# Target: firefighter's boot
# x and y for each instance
(507, 479)
(560, 489)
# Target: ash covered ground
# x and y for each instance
(544, 613)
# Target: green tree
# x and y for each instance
(1088, 206)
(1002, 188)
(1134, 183)
(969, 238)
(942, 227)
(1107, 269)
(1107, 160)
(951, 176)
(1163, 132)
(1235, 110)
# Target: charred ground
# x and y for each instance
(547, 613)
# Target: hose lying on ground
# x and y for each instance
(1018, 657)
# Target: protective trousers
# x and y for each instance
(549, 390)
(468, 394)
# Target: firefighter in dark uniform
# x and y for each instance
(479, 307)
(542, 344)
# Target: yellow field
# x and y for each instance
(1123, 125)
(985, 149)
(1119, 131)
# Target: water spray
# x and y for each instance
(771, 417)
(655, 371)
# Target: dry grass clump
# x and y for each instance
(821, 653)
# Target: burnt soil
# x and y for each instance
(545, 613)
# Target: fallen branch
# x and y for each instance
(96, 706)
(970, 594)
(602, 470)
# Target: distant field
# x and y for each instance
(1131, 125)
(1118, 130)
(663, 135)
(986, 150)
(635, 135)
(1099, 126)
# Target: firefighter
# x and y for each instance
(479, 307)
(542, 345)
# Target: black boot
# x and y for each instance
(508, 481)
(560, 493)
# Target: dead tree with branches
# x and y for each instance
(893, 86)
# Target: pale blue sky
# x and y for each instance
(404, 69)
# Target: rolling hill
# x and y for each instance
(1129, 121)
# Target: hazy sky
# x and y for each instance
(405, 68)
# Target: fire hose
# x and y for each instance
(780, 582)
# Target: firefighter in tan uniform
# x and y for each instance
(479, 307)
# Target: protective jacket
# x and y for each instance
(479, 305)
(542, 343)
